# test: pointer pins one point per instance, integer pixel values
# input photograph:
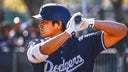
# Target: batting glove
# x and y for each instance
(89, 22)
(78, 23)
(73, 24)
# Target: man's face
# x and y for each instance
(47, 29)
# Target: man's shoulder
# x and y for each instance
(35, 41)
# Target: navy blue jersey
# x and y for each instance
(75, 55)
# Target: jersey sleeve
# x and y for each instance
(95, 43)
(33, 52)
(98, 43)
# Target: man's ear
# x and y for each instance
(59, 24)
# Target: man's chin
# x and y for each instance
(43, 35)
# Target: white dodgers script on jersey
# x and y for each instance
(66, 66)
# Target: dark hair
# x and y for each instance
(63, 26)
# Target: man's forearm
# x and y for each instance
(111, 27)
(113, 31)
(54, 43)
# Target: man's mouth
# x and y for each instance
(41, 29)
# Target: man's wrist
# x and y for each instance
(90, 22)
(70, 31)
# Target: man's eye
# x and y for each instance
(43, 22)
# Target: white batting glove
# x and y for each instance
(78, 23)
(86, 23)
(89, 22)
(72, 27)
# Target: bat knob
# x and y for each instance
(78, 19)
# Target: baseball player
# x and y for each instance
(61, 50)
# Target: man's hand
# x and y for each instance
(89, 22)
(72, 26)
(78, 23)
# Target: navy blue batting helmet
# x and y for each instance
(54, 12)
